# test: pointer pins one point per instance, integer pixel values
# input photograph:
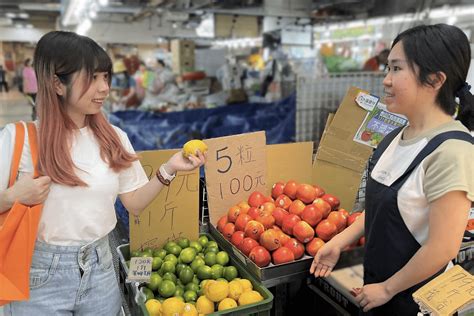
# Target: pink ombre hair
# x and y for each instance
(58, 56)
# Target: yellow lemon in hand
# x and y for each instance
(191, 147)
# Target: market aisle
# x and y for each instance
(13, 107)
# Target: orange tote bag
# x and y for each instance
(18, 229)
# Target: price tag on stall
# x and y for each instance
(236, 166)
(140, 269)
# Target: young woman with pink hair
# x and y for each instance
(85, 163)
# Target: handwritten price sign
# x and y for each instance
(140, 269)
(235, 168)
(175, 211)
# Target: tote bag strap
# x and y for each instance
(17, 151)
(33, 141)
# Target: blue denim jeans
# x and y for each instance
(71, 280)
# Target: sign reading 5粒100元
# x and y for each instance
(235, 167)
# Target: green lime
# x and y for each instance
(183, 242)
(198, 262)
(166, 288)
(187, 255)
(190, 296)
(216, 271)
(148, 293)
(147, 253)
(210, 258)
(155, 280)
(195, 280)
(168, 266)
(135, 253)
(204, 272)
(180, 267)
(200, 255)
(170, 277)
(192, 287)
(171, 258)
(203, 240)
(186, 275)
(179, 292)
(160, 253)
(156, 263)
(195, 245)
(222, 258)
(169, 245)
(212, 243)
(179, 283)
(211, 249)
(175, 250)
(230, 273)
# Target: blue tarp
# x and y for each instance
(149, 131)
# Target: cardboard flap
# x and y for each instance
(236, 166)
(173, 213)
(337, 145)
(289, 162)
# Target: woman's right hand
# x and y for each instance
(29, 191)
(325, 260)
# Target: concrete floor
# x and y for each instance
(13, 107)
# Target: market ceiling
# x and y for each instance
(44, 13)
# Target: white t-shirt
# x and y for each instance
(77, 215)
(448, 168)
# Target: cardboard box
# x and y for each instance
(336, 288)
(340, 161)
(182, 59)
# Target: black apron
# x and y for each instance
(389, 243)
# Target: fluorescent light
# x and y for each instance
(10, 15)
(23, 15)
(103, 2)
(84, 27)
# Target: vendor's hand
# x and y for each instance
(29, 191)
(372, 295)
(178, 162)
(325, 260)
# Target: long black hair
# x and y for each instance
(442, 48)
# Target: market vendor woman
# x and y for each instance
(421, 177)
(85, 163)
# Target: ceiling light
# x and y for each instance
(103, 2)
(10, 15)
(23, 15)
